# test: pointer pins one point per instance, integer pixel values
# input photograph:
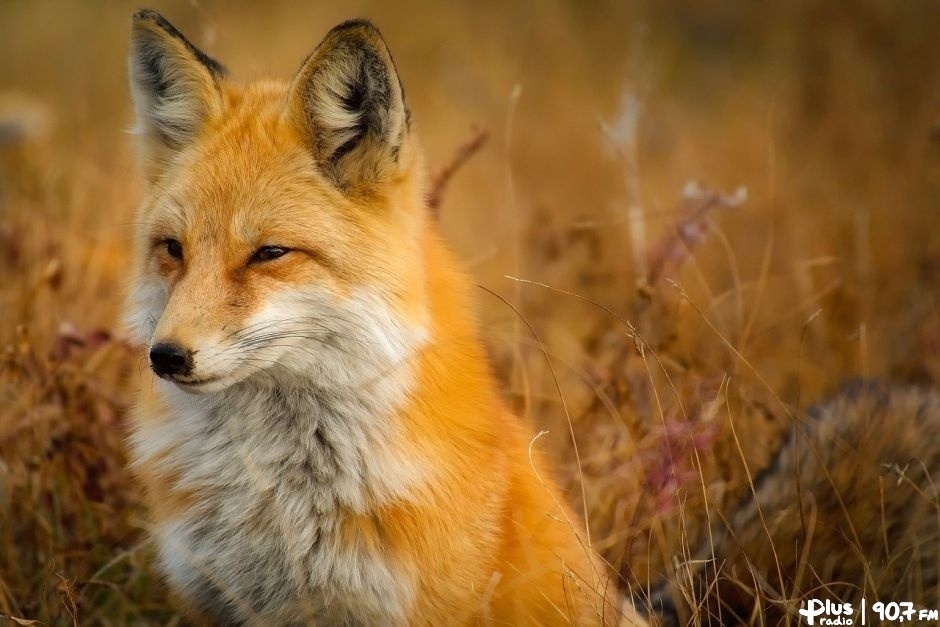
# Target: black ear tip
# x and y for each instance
(147, 15)
(360, 26)
(147, 19)
(150, 18)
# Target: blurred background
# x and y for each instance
(660, 312)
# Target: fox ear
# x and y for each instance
(348, 104)
(175, 86)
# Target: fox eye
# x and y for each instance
(267, 253)
(173, 248)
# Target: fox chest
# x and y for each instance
(254, 569)
(261, 540)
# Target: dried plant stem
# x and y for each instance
(442, 177)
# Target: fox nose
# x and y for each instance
(167, 358)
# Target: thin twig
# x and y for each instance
(442, 177)
(686, 235)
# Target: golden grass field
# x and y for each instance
(655, 329)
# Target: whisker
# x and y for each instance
(259, 337)
(314, 320)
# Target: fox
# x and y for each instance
(846, 514)
(323, 440)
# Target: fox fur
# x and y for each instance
(848, 508)
(326, 443)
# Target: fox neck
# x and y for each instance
(332, 445)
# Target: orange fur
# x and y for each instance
(475, 530)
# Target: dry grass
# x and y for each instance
(668, 321)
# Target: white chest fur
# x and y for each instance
(274, 473)
(276, 462)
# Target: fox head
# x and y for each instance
(281, 228)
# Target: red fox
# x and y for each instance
(325, 442)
